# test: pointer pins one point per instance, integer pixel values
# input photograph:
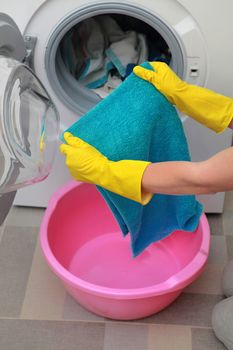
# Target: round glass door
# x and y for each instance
(29, 127)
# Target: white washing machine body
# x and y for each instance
(194, 31)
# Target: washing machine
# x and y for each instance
(197, 37)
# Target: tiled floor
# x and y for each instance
(36, 313)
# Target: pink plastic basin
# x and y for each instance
(83, 245)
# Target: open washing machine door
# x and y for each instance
(29, 123)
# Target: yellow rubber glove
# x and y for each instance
(87, 164)
(205, 106)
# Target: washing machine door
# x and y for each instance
(29, 122)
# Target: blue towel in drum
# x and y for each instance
(137, 122)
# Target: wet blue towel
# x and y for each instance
(137, 122)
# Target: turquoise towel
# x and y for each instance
(137, 122)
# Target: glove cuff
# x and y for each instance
(125, 178)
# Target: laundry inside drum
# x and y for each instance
(99, 52)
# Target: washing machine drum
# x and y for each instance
(29, 123)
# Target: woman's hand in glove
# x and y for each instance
(205, 106)
(163, 78)
(87, 164)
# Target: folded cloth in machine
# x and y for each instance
(97, 46)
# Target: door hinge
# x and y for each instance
(30, 42)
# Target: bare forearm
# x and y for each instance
(172, 178)
(210, 176)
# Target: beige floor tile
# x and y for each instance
(25, 216)
(216, 224)
(45, 295)
(122, 336)
(228, 203)
(189, 309)
(16, 254)
(1, 231)
(205, 339)
(228, 214)
(228, 222)
(166, 337)
(218, 250)
(74, 311)
(229, 240)
(50, 335)
(210, 281)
